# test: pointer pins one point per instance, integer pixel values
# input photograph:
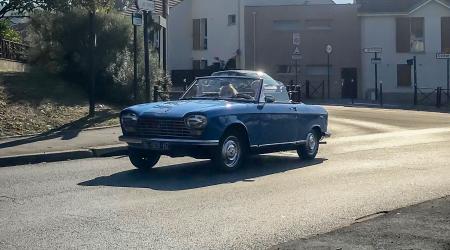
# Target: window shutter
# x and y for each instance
(403, 75)
(403, 35)
(196, 34)
(445, 34)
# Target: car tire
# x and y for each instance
(231, 153)
(309, 150)
(143, 160)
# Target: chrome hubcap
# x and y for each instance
(231, 152)
(311, 143)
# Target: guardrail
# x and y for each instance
(13, 51)
(437, 97)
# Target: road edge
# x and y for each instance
(76, 154)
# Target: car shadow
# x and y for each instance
(200, 174)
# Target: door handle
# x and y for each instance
(293, 108)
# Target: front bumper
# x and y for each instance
(176, 142)
(326, 135)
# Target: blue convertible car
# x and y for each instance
(223, 118)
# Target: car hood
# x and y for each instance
(179, 109)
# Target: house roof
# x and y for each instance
(392, 6)
(158, 6)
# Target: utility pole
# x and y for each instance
(92, 44)
(164, 34)
(135, 72)
(328, 50)
(146, 58)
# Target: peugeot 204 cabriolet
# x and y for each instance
(223, 118)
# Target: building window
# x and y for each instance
(318, 24)
(403, 75)
(200, 36)
(231, 20)
(317, 70)
(286, 25)
(445, 34)
(410, 35)
(199, 64)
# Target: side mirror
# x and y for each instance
(269, 99)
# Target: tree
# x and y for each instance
(93, 6)
(21, 7)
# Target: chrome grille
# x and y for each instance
(155, 127)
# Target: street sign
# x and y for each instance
(376, 60)
(146, 5)
(372, 50)
(442, 56)
(296, 55)
(137, 19)
(329, 49)
(296, 39)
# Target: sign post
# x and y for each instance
(446, 56)
(328, 50)
(296, 56)
(136, 20)
(375, 60)
(147, 6)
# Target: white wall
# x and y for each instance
(180, 36)
(223, 41)
(380, 31)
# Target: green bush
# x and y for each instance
(60, 43)
(8, 33)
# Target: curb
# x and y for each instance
(97, 152)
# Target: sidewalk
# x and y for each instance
(73, 144)
(422, 226)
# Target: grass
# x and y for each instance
(37, 102)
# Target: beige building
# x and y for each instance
(274, 33)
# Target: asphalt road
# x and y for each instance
(378, 160)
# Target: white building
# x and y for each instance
(403, 29)
(204, 32)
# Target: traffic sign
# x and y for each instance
(442, 56)
(376, 60)
(136, 19)
(146, 5)
(372, 50)
(329, 49)
(296, 39)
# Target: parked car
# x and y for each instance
(223, 118)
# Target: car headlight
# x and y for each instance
(129, 122)
(196, 121)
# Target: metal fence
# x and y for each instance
(438, 97)
(13, 51)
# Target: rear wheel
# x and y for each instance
(143, 160)
(309, 150)
(231, 153)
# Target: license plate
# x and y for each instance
(159, 146)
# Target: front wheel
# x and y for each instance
(143, 160)
(309, 150)
(230, 154)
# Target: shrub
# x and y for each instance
(60, 43)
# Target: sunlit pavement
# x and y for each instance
(377, 160)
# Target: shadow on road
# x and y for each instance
(200, 174)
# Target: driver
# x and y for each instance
(227, 90)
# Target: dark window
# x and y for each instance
(410, 34)
(445, 34)
(403, 75)
(199, 64)
(200, 34)
(231, 20)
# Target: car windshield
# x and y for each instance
(227, 88)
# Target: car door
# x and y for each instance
(279, 119)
